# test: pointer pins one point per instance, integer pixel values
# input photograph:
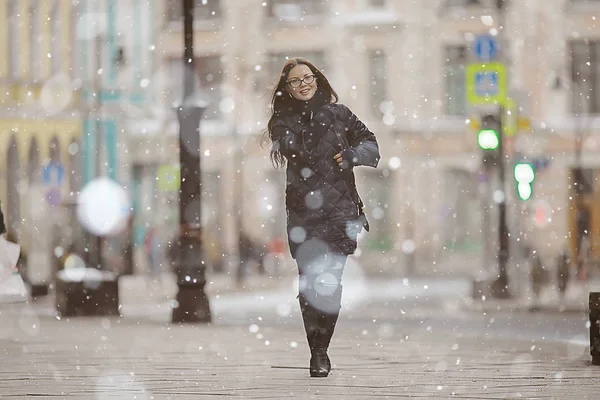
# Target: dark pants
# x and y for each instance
(320, 273)
(320, 290)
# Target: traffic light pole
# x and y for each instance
(500, 285)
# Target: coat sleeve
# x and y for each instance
(293, 144)
(363, 144)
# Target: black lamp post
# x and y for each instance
(191, 301)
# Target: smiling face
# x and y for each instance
(301, 82)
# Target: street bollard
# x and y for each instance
(480, 289)
(86, 292)
(595, 327)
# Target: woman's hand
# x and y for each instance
(346, 159)
(339, 159)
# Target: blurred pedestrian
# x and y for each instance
(152, 249)
(563, 268)
(128, 246)
(584, 256)
(319, 141)
(11, 236)
(2, 226)
(250, 251)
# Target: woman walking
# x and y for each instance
(319, 142)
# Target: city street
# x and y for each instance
(395, 339)
(436, 160)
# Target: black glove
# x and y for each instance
(349, 158)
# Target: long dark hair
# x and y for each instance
(282, 104)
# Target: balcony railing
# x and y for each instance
(299, 10)
(493, 4)
(583, 5)
(204, 10)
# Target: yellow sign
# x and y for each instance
(168, 178)
(512, 122)
(509, 119)
(523, 124)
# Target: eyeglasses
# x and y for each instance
(296, 83)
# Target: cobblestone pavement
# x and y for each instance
(137, 358)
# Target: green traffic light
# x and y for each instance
(487, 139)
(524, 173)
(524, 191)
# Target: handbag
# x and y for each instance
(338, 127)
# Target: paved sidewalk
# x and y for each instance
(138, 289)
(575, 300)
(114, 358)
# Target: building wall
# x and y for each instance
(37, 103)
(436, 151)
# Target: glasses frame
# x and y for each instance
(301, 81)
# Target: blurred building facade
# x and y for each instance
(116, 69)
(399, 65)
(39, 123)
(75, 90)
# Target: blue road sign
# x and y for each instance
(53, 173)
(541, 163)
(486, 83)
(485, 47)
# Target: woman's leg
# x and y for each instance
(320, 301)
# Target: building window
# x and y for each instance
(34, 39)
(276, 61)
(14, 39)
(378, 78)
(376, 195)
(454, 77)
(209, 73)
(463, 3)
(584, 3)
(203, 10)
(55, 37)
(585, 74)
(294, 10)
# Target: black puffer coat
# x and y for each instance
(321, 198)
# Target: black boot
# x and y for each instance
(319, 326)
(310, 319)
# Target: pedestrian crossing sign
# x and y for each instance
(486, 83)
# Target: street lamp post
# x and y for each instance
(97, 260)
(191, 301)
